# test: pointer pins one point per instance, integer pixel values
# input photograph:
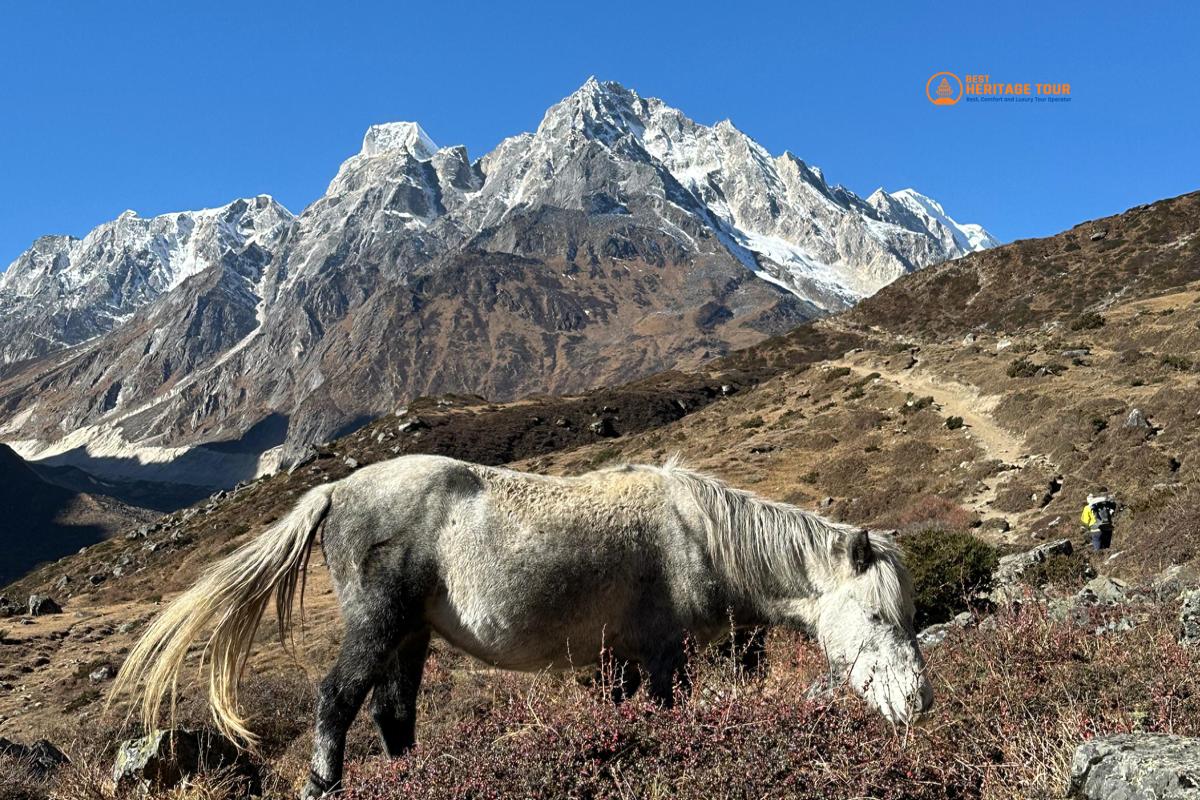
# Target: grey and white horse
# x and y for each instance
(528, 572)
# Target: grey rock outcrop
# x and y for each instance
(1132, 766)
(42, 757)
(1189, 618)
(1010, 569)
(41, 605)
(165, 758)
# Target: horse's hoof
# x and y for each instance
(317, 788)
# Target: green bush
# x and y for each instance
(753, 422)
(947, 568)
(954, 423)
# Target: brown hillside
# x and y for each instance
(989, 394)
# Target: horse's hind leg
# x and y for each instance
(361, 662)
(394, 698)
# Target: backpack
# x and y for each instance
(1102, 512)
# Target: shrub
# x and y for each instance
(604, 455)
(931, 512)
(1065, 572)
(835, 373)
(1087, 321)
(914, 404)
(1022, 368)
(1180, 363)
(948, 568)
(752, 422)
(954, 423)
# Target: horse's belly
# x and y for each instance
(507, 638)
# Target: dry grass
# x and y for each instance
(1015, 697)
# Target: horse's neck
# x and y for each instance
(777, 555)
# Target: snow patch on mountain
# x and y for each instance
(407, 136)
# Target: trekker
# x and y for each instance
(1097, 517)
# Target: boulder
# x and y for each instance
(1137, 419)
(40, 604)
(1102, 590)
(604, 427)
(1137, 766)
(933, 635)
(1010, 568)
(1189, 619)
(102, 673)
(165, 758)
(41, 756)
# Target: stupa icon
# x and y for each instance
(944, 89)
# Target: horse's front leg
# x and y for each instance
(394, 698)
(666, 666)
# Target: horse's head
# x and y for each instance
(864, 621)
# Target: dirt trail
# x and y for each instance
(961, 400)
(956, 399)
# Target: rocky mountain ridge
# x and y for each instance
(619, 239)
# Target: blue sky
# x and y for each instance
(168, 106)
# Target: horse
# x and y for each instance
(529, 572)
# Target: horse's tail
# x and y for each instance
(230, 598)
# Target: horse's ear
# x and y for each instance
(861, 554)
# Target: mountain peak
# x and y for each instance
(407, 136)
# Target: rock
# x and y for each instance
(1076, 353)
(1102, 590)
(41, 605)
(412, 425)
(728, 389)
(165, 758)
(42, 756)
(1189, 618)
(102, 674)
(352, 463)
(934, 634)
(1137, 766)
(1098, 235)
(1010, 568)
(1137, 419)
(603, 427)
(1172, 582)
(996, 524)
(562, 422)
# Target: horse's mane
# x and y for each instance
(759, 543)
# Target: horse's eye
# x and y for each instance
(876, 618)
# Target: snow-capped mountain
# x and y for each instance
(617, 239)
(63, 291)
